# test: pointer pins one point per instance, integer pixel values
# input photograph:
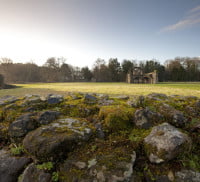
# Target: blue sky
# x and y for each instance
(84, 30)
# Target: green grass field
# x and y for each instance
(106, 88)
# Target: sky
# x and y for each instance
(83, 30)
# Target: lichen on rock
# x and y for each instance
(165, 142)
(58, 138)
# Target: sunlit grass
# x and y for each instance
(106, 88)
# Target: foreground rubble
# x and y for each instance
(95, 137)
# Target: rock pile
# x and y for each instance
(95, 137)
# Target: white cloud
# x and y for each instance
(195, 9)
(193, 18)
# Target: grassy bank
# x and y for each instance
(106, 88)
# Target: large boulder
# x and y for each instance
(33, 174)
(187, 176)
(47, 117)
(56, 139)
(165, 142)
(11, 167)
(22, 125)
(145, 118)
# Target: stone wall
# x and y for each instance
(137, 76)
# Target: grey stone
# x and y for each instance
(54, 99)
(137, 101)
(33, 174)
(103, 96)
(31, 99)
(145, 118)
(8, 100)
(165, 142)
(90, 99)
(56, 139)
(178, 120)
(122, 97)
(99, 131)
(105, 102)
(192, 111)
(22, 125)
(11, 167)
(157, 96)
(174, 116)
(187, 176)
(47, 117)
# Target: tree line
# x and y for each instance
(57, 70)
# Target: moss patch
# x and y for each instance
(117, 118)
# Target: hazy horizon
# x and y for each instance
(84, 30)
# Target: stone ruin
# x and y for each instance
(138, 76)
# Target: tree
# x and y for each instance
(6, 68)
(66, 72)
(52, 63)
(100, 71)
(175, 70)
(127, 66)
(150, 66)
(114, 69)
(1, 81)
(51, 70)
(77, 75)
(87, 74)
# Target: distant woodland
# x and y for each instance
(57, 70)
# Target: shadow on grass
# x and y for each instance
(6, 86)
(21, 91)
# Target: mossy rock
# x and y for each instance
(117, 118)
(32, 173)
(55, 140)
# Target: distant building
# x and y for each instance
(137, 76)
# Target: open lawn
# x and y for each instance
(106, 88)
